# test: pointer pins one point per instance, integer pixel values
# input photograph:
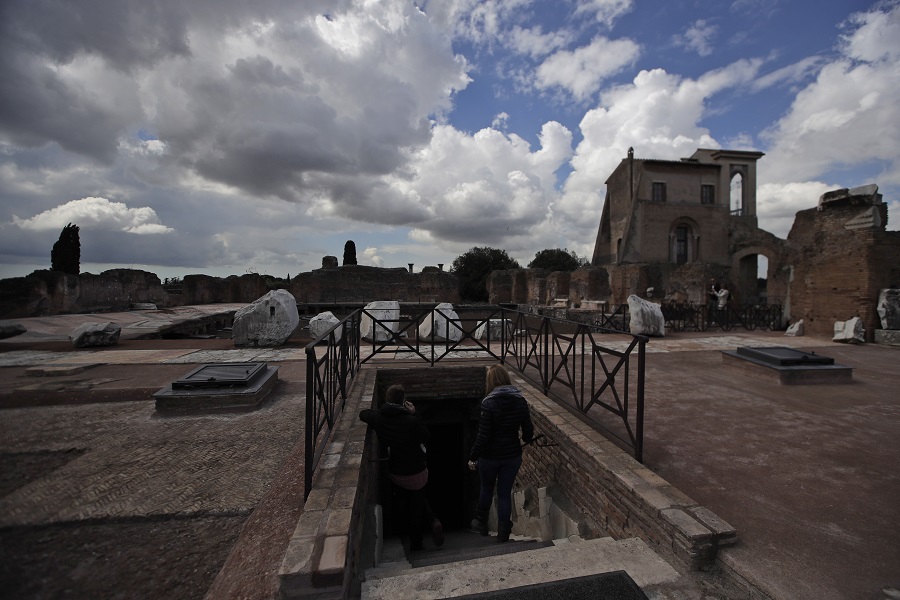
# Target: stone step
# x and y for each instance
(426, 559)
(542, 565)
(458, 545)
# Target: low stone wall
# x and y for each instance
(617, 495)
(321, 558)
(47, 292)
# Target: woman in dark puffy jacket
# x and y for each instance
(497, 452)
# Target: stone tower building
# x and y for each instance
(700, 211)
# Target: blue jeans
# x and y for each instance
(501, 472)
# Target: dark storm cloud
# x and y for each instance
(36, 107)
(127, 33)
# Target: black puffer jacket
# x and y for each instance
(503, 412)
(403, 433)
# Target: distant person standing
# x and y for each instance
(722, 303)
(713, 301)
(404, 434)
(497, 452)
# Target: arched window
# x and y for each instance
(684, 241)
(682, 244)
(737, 194)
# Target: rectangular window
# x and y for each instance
(659, 191)
(707, 194)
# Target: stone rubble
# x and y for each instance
(443, 325)
(850, 331)
(322, 322)
(646, 317)
(267, 321)
(387, 313)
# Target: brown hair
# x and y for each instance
(395, 394)
(496, 376)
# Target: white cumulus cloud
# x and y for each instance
(582, 71)
(698, 37)
(849, 114)
(372, 256)
(96, 213)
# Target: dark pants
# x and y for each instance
(413, 504)
(501, 472)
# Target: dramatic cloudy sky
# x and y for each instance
(225, 137)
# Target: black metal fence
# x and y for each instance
(564, 359)
(691, 317)
(579, 365)
(328, 377)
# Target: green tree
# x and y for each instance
(66, 253)
(473, 267)
(350, 253)
(556, 260)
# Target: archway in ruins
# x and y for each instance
(752, 274)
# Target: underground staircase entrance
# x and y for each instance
(452, 489)
(448, 399)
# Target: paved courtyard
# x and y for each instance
(101, 497)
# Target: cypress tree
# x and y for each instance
(66, 253)
(350, 253)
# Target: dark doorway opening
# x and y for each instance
(447, 480)
(452, 489)
(753, 279)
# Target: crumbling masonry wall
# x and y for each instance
(843, 257)
(358, 283)
(48, 292)
(540, 287)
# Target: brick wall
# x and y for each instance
(434, 382)
(47, 292)
(838, 272)
(540, 287)
(616, 495)
(205, 289)
(357, 283)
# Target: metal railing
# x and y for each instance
(448, 334)
(690, 317)
(328, 379)
(564, 359)
(576, 364)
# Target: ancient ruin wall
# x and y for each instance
(839, 268)
(541, 287)
(51, 292)
(358, 283)
(47, 292)
(204, 289)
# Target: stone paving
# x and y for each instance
(134, 464)
(119, 461)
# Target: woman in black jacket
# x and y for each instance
(497, 452)
(404, 434)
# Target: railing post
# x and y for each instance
(639, 417)
(503, 334)
(545, 328)
(309, 445)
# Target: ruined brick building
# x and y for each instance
(674, 225)
(667, 222)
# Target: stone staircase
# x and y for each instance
(466, 566)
